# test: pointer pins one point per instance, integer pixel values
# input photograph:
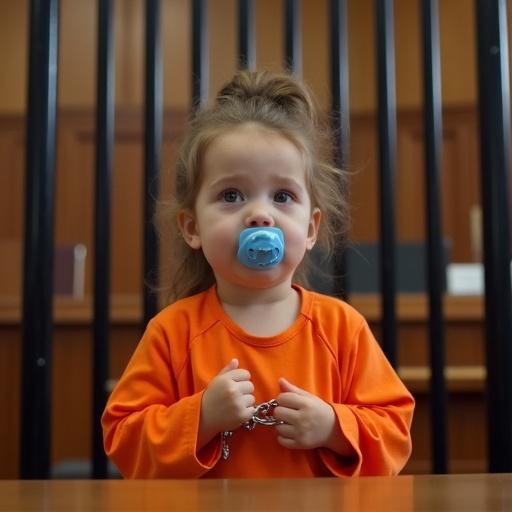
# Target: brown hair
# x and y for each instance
(277, 102)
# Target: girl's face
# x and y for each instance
(251, 177)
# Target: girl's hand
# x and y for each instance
(309, 421)
(227, 402)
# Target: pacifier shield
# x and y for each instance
(261, 248)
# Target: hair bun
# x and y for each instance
(280, 90)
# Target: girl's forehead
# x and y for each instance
(257, 134)
(250, 145)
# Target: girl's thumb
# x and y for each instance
(232, 365)
(289, 387)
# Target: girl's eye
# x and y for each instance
(231, 196)
(282, 197)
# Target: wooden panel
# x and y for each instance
(71, 396)
(10, 267)
(12, 156)
(364, 185)
(10, 384)
(72, 385)
(462, 168)
(466, 436)
(75, 184)
(74, 214)
(460, 181)
(77, 50)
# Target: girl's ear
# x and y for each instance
(188, 227)
(314, 226)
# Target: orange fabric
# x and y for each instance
(151, 420)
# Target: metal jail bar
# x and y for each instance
(246, 46)
(340, 112)
(433, 152)
(37, 324)
(199, 53)
(292, 39)
(102, 228)
(387, 162)
(494, 98)
(152, 154)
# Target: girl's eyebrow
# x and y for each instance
(230, 179)
(236, 179)
(287, 182)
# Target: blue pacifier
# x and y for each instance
(261, 248)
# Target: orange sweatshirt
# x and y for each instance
(151, 420)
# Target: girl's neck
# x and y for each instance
(240, 296)
(279, 306)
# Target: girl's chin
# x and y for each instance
(262, 279)
(235, 273)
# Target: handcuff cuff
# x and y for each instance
(261, 416)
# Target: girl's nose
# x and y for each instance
(258, 217)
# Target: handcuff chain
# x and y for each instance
(260, 416)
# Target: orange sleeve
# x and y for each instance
(376, 415)
(148, 431)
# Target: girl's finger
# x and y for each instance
(287, 442)
(287, 431)
(285, 414)
(248, 401)
(246, 387)
(291, 400)
(240, 374)
(232, 365)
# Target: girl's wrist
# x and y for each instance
(206, 432)
(207, 428)
(337, 441)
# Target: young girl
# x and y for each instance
(248, 373)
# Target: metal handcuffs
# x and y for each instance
(261, 416)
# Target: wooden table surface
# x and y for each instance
(445, 493)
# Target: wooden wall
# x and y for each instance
(76, 106)
(77, 53)
(75, 180)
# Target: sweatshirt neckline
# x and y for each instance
(306, 299)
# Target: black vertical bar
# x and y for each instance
(37, 328)
(153, 141)
(104, 158)
(339, 79)
(199, 53)
(435, 267)
(246, 46)
(293, 47)
(340, 114)
(494, 91)
(387, 155)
